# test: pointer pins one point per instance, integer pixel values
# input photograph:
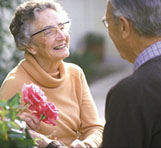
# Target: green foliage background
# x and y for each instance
(13, 131)
(9, 55)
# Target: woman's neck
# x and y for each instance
(49, 66)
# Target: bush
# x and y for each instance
(13, 131)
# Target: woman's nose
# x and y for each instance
(60, 35)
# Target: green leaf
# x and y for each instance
(21, 139)
(2, 115)
(3, 131)
(21, 124)
(13, 131)
(16, 135)
(27, 134)
(6, 112)
(14, 101)
(12, 114)
(42, 117)
(25, 143)
(3, 102)
(12, 125)
(4, 143)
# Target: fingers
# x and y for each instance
(31, 120)
(33, 134)
(77, 144)
(42, 140)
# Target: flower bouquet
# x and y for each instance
(13, 131)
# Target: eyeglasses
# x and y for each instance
(52, 30)
(104, 21)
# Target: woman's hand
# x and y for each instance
(42, 140)
(31, 120)
(77, 144)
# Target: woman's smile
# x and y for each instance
(59, 47)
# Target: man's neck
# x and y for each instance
(140, 43)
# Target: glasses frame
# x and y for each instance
(49, 27)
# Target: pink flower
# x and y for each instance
(45, 111)
(33, 94)
(49, 114)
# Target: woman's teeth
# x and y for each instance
(59, 47)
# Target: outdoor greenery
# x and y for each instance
(13, 131)
(9, 55)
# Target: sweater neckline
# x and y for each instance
(43, 78)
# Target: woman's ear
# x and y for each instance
(31, 49)
(125, 27)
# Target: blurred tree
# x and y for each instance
(9, 56)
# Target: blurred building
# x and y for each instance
(86, 17)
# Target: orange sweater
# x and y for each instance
(78, 115)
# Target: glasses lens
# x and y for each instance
(105, 23)
(54, 30)
(50, 32)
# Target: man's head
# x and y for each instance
(145, 15)
(132, 21)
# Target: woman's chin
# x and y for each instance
(66, 55)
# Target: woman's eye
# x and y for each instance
(48, 32)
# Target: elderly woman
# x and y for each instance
(41, 29)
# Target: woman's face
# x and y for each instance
(52, 44)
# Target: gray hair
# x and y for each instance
(21, 27)
(145, 15)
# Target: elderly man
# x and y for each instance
(133, 106)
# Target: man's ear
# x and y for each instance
(125, 27)
(31, 49)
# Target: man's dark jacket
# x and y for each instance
(133, 109)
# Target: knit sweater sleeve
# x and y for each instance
(91, 127)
